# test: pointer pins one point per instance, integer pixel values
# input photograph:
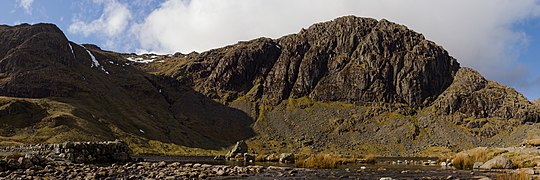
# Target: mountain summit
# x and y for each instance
(348, 85)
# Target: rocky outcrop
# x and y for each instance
(360, 60)
(348, 59)
(238, 150)
(472, 95)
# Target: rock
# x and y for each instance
(277, 168)
(174, 164)
(272, 158)
(286, 158)
(443, 164)
(249, 157)
(221, 172)
(206, 166)
(25, 162)
(499, 162)
(219, 157)
(240, 148)
(202, 176)
(477, 165)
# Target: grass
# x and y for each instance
(370, 158)
(330, 161)
(532, 142)
(319, 161)
(143, 146)
(524, 159)
(520, 175)
(466, 159)
(442, 153)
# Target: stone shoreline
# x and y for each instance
(175, 170)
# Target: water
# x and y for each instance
(385, 167)
(384, 162)
(208, 160)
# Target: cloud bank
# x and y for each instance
(114, 21)
(26, 5)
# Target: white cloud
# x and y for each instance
(26, 5)
(478, 33)
(113, 21)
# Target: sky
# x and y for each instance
(499, 38)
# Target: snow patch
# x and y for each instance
(140, 60)
(279, 47)
(103, 69)
(70, 47)
(140, 130)
(95, 63)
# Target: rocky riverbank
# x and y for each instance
(175, 170)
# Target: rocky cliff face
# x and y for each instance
(360, 60)
(349, 59)
(355, 83)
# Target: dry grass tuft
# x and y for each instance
(370, 158)
(260, 158)
(521, 175)
(524, 159)
(319, 161)
(442, 153)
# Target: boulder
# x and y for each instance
(286, 158)
(499, 162)
(249, 157)
(240, 148)
(477, 165)
(25, 162)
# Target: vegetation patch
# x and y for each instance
(319, 161)
(466, 159)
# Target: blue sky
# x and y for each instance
(499, 38)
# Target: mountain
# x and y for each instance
(350, 85)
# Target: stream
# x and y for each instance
(385, 168)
